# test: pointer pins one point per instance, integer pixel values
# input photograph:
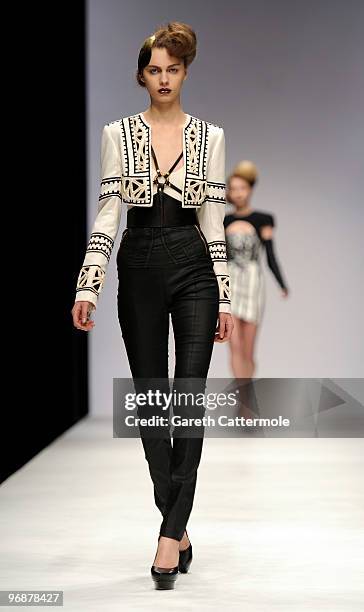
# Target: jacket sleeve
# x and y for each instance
(211, 216)
(92, 274)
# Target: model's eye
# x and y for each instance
(152, 70)
(174, 69)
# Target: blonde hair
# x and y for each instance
(246, 170)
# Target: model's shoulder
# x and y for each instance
(229, 218)
(117, 122)
(265, 217)
(213, 127)
(112, 127)
(118, 126)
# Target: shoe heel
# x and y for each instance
(185, 560)
(164, 578)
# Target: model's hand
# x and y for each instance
(224, 327)
(81, 313)
(285, 293)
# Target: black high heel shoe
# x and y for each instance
(164, 577)
(185, 559)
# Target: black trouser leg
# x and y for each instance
(144, 322)
(194, 314)
(146, 295)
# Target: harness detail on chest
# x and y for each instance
(161, 184)
(136, 180)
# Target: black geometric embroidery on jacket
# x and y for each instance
(110, 186)
(140, 143)
(91, 278)
(207, 129)
(218, 250)
(216, 192)
(139, 167)
(124, 148)
(195, 191)
(195, 148)
(134, 189)
(100, 243)
(224, 287)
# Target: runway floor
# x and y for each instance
(277, 525)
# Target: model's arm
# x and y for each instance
(92, 274)
(266, 233)
(211, 218)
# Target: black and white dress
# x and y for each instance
(244, 246)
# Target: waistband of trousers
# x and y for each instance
(168, 213)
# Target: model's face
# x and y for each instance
(164, 71)
(239, 191)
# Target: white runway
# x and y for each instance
(277, 525)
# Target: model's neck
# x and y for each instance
(165, 115)
(243, 210)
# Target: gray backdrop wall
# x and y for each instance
(284, 79)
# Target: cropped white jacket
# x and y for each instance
(126, 176)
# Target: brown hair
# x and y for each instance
(178, 38)
(246, 170)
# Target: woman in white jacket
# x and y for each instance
(169, 169)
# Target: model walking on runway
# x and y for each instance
(169, 169)
(247, 233)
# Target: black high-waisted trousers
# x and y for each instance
(164, 268)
